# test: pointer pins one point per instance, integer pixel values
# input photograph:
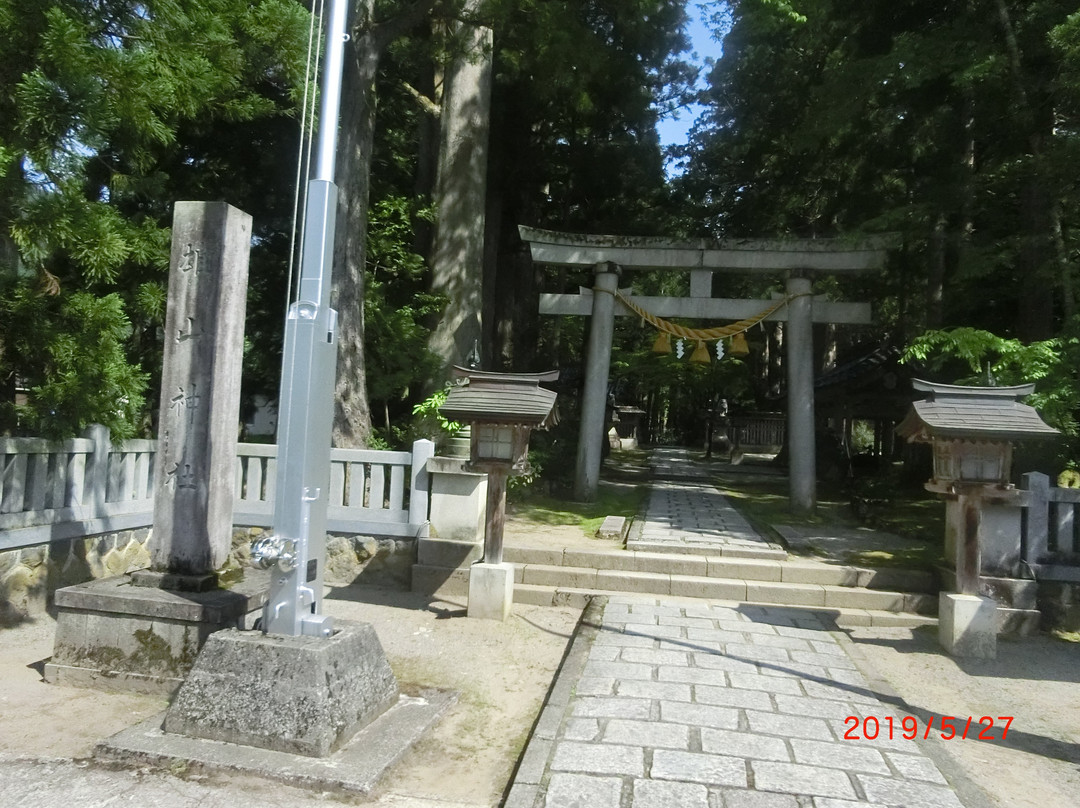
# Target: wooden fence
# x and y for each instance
(762, 433)
(50, 491)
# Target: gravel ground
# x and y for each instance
(501, 671)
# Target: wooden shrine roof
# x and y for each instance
(955, 411)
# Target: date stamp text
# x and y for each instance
(946, 727)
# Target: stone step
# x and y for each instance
(448, 581)
(844, 617)
(795, 571)
(723, 588)
(770, 551)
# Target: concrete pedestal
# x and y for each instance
(491, 590)
(458, 500)
(457, 517)
(112, 635)
(297, 694)
(967, 625)
(1018, 604)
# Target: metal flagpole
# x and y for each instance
(295, 552)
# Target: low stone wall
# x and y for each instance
(1059, 602)
(369, 560)
(350, 558)
(29, 576)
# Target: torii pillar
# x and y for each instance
(797, 258)
(799, 350)
(594, 396)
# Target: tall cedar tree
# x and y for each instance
(951, 122)
(109, 111)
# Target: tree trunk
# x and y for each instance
(935, 276)
(1065, 268)
(427, 161)
(352, 410)
(503, 315)
(457, 261)
(491, 341)
(1035, 317)
(1036, 265)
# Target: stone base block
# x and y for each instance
(1059, 602)
(1015, 593)
(458, 500)
(1017, 622)
(613, 528)
(175, 581)
(491, 590)
(302, 695)
(440, 581)
(355, 768)
(431, 552)
(111, 635)
(967, 625)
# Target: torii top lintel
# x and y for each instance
(731, 255)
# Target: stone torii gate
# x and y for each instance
(797, 259)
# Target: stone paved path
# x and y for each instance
(695, 514)
(688, 513)
(676, 463)
(680, 704)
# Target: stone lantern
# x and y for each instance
(627, 421)
(502, 409)
(972, 431)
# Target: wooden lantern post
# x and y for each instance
(502, 410)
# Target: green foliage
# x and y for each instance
(110, 112)
(518, 483)
(81, 375)
(428, 421)
(990, 359)
(952, 124)
(395, 305)
(577, 90)
(985, 353)
(532, 507)
(397, 310)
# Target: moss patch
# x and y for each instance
(613, 499)
(911, 514)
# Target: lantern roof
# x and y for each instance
(977, 413)
(508, 398)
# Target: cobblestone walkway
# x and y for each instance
(676, 463)
(687, 513)
(695, 514)
(678, 704)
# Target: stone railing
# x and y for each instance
(378, 492)
(51, 491)
(1050, 545)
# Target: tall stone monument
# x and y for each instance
(200, 392)
(144, 631)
